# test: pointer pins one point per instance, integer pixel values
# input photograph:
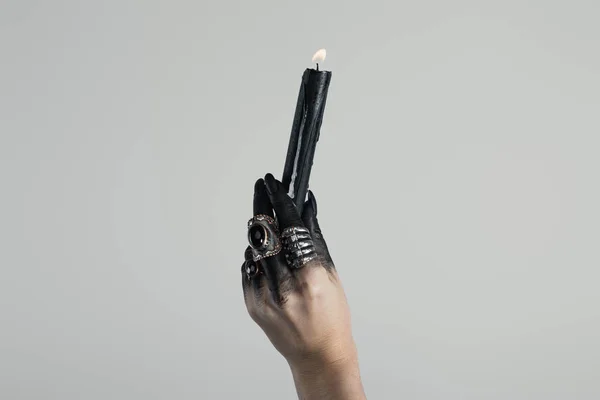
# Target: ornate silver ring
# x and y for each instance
(298, 246)
(263, 236)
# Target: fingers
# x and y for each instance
(253, 280)
(309, 218)
(265, 281)
(285, 209)
(262, 232)
(270, 198)
(262, 204)
(309, 215)
(274, 272)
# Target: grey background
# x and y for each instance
(457, 180)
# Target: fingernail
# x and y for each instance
(271, 184)
(313, 201)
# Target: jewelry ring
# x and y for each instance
(251, 269)
(263, 235)
(298, 245)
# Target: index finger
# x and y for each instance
(262, 204)
(285, 209)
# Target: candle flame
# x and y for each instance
(319, 56)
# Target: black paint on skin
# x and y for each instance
(273, 272)
(305, 133)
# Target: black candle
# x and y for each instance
(305, 133)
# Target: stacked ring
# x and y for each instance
(298, 246)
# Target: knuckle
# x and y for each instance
(312, 289)
(314, 282)
(252, 311)
(257, 313)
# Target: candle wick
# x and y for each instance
(317, 66)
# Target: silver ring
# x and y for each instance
(251, 269)
(298, 246)
(263, 236)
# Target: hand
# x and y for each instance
(303, 311)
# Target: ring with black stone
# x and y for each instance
(263, 236)
(251, 269)
(298, 246)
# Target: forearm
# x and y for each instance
(334, 381)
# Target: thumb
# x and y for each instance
(309, 217)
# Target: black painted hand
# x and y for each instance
(303, 311)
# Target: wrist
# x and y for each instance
(332, 379)
(316, 364)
